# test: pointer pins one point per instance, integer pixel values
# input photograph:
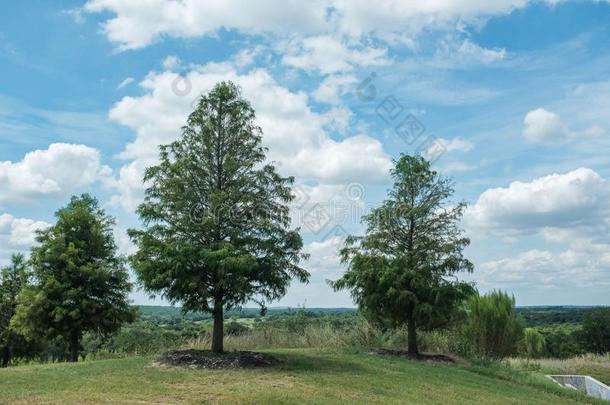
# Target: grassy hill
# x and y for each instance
(305, 375)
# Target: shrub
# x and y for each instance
(533, 344)
(236, 328)
(492, 327)
(562, 341)
(596, 330)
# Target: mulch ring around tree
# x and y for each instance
(207, 359)
(429, 358)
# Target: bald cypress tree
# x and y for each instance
(80, 283)
(402, 270)
(217, 226)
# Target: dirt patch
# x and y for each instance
(214, 361)
(429, 358)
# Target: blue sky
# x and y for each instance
(512, 96)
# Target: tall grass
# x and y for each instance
(360, 336)
(595, 365)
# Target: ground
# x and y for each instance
(304, 375)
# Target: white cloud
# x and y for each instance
(328, 55)
(56, 171)
(573, 200)
(435, 148)
(565, 219)
(333, 87)
(138, 24)
(584, 266)
(455, 51)
(18, 233)
(125, 83)
(361, 16)
(456, 144)
(294, 133)
(171, 62)
(325, 256)
(541, 125)
(469, 49)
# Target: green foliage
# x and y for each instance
(236, 328)
(596, 330)
(533, 344)
(140, 338)
(549, 315)
(401, 271)
(493, 328)
(80, 283)
(562, 340)
(13, 279)
(216, 215)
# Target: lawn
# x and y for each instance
(305, 375)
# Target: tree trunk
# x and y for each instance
(218, 331)
(412, 336)
(6, 357)
(74, 346)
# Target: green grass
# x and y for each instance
(305, 375)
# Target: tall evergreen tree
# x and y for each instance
(13, 279)
(401, 270)
(80, 283)
(216, 215)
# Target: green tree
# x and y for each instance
(596, 330)
(80, 283)
(216, 215)
(401, 270)
(533, 343)
(13, 279)
(493, 327)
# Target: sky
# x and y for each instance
(510, 98)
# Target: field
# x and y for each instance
(305, 375)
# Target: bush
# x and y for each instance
(562, 341)
(596, 330)
(533, 344)
(492, 327)
(235, 328)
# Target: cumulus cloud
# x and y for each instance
(135, 25)
(541, 125)
(568, 211)
(18, 233)
(573, 200)
(333, 87)
(584, 266)
(56, 171)
(295, 134)
(325, 256)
